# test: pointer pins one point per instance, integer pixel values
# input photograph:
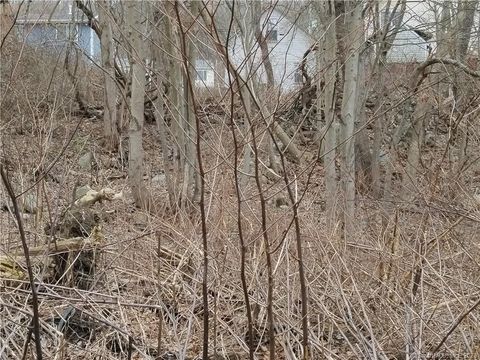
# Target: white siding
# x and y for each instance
(408, 47)
(285, 54)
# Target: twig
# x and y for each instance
(36, 316)
(27, 340)
(13, 24)
(455, 325)
(201, 173)
(420, 75)
(130, 347)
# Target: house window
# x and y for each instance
(202, 75)
(272, 33)
(60, 32)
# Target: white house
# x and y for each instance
(287, 44)
(412, 40)
(53, 25)
(410, 45)
(205, 73)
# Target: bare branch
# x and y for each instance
(18, 216)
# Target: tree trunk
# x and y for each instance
(161, 63)
(248, 37)
(136, 154)
(465, 20)
(377, 141)
(110, 127)
(444, 48)
(410, 183)
(354, 28)
(326, 99)
(191, 180)
(362, 142)
(171, 47)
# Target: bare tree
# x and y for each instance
(191, 182)
(354, 29)
(173, 100)
(463, 30)
(110, 126)
(161, 62)
(136, 31)
(327, 65)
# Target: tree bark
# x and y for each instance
(110, 126)
(161, 63)
(173, 85)
(191, 180)
(410, 182)
(363, 155)
(326, 99)
(465, 20)
(354, 28)
(136, 153)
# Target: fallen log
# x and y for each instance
(12, 266)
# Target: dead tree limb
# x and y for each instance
(420, 75)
